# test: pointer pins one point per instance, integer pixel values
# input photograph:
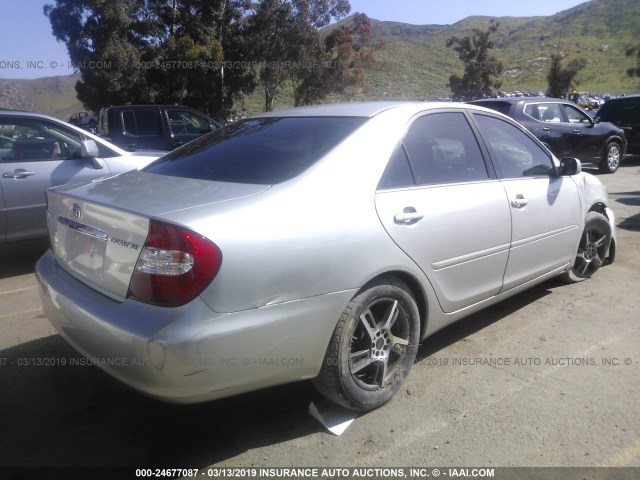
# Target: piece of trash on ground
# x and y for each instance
(333, 417)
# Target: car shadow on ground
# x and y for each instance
(20, 258)
(631, 199)
(479, 321)
(77, 416)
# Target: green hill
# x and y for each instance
(599, 30)
(51, 95)
(415, 63)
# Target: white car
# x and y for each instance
(38, 152)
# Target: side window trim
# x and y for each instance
(491, 170)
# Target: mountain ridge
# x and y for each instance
(416, 64)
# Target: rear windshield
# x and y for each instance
(261, 151)
(498, 106)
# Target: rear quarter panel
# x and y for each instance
(316, 234)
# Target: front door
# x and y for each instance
(41, 154)
(545, 209)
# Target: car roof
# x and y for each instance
(622, 99)
(358, 109)
(11, 110)
(149, 106)
(514, 100)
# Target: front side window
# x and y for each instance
(576, 116)
(34, 139)
(513, 152)
(260, 151)
(443, 149)
(185, 122)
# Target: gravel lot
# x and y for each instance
(550, 377)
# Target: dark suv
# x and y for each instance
(624, 112)
(566, 129)
(157, 127)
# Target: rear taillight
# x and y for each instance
(174, 267)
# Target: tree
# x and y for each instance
(480, 67)
(274, 44)
(286, 42)
(336, 63)
(143, 51)
(206, 53)
(562, 73)
(635, 71)
(105, 45)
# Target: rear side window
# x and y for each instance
(498, 106)
(443, 149)
(398, 172)
(261, 151)
(549, 112)
(141, 123)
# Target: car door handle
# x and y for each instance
(407, 217)
(519, 201)
(18, 174)
(546, 129)
(576, 130)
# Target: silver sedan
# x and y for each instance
(38, 152)
(317, 243)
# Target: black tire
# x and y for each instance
(593, 247)
(372, 347)
(611, 158)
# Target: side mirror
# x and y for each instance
(596, 120)
(89, 149)
(570, 166)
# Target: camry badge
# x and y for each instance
(77, 212)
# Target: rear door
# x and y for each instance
(443, 208)
(550, 128)
(545, 209)
(40, 154)
(142, 128)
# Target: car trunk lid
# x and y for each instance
(98, 230)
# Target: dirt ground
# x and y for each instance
(550, 377)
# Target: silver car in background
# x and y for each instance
(38, 152)
(316, 243)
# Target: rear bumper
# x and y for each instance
(190, 353)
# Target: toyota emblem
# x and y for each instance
(77, 212)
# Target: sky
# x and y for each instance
(28, 49)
